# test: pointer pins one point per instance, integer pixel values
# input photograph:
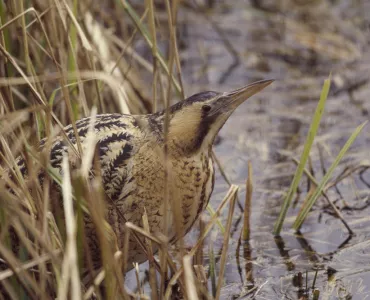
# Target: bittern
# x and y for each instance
(136, 170)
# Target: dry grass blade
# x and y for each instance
(172, 21)
(126, 98)
(143, 233)
(126, 249)
(21, 15)
(227, 180)
(220, 167)
(191, 289)
(90, 146)
(70, 264)
(138, 282)
(97, 282)
(28, 265)
(84, 40)
(201, 275)
(198, 258)
(152, 274)
(247, 206)
(108, 79)
(225, 246)
(152, 27)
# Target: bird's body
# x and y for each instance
(136, 170)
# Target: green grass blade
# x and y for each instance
(306, 151)
(212, 212)
(306, 209)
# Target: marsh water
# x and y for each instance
(297, 43)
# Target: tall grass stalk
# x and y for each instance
(247, 205)
(225, 247)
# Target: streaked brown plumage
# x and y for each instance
(131, 154)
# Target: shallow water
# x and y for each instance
(298, 45)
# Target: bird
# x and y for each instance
(142, 156)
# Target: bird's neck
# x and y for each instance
(186, 148)
(184, 135)
(188, 138)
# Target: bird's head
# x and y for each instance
(195, 122)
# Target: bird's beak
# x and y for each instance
(231, 100)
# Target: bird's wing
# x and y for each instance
(117, 140)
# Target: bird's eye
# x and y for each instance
(206, 108)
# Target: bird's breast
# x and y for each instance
(191, 188)
(189, 184)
